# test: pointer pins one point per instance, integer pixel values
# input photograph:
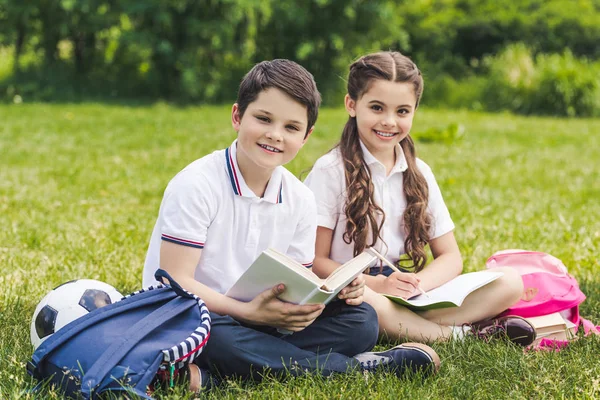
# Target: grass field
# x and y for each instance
(80, 187)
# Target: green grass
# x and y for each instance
(80, 187)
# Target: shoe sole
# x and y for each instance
(195, 377)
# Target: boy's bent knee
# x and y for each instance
(362, 322)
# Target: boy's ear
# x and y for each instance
(310, 131)
(350, 105)
(236, 120)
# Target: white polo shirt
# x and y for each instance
(327, 181)
(209, 206)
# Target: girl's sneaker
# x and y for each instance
(516, 329)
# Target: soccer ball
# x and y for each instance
(66, 303)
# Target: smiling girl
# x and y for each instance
(372, 191)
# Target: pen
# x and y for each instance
(393, 267)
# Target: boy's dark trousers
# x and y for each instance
(326, 346)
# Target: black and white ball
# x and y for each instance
(68, 302)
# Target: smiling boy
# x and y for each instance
(221, 211)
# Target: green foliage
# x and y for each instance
(445, 91)
(557, 84)
(197, 51)
(189, 50)
(511, 79)
(567, 86)
(325, 36)
(453, 36)
(194, 50)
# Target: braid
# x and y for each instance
(417, 220)
(360, 208)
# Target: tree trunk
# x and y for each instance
(84, 50)
(19, 42)
(51, 19)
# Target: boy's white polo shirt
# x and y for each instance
(328, 183)
(209, 206)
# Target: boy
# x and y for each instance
(220, 212)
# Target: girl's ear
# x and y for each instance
(236, 120)
(350, 105)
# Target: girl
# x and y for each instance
(371, 190)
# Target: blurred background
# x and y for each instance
(102, 102)
(526, 56)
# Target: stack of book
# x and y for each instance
(552, 326)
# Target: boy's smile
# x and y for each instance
(270, 133)
(269, 149)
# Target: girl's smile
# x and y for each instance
(385, 135)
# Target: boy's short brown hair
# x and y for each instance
(285, 75)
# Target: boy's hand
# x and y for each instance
(353, 293)
(401, 284)
(267, 309)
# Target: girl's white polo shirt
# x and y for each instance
(328, 183)
(209, 206)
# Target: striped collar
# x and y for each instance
(401, 163)
(274, 192)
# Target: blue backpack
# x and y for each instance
(121, 347)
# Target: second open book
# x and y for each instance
(302, 286)
(451, 293)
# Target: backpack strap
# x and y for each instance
(161, 273)
(100, 314)
(111, 356)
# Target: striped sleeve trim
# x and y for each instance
(308, 265)
(184, 242)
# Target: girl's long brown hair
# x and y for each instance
(362, 213)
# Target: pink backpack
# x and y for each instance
(548, 287)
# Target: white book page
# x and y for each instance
(294, 265)
(456, 290)
(267, 272)
(346, 273)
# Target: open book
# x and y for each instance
(450, 294)
(302, 286)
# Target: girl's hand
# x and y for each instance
(267, 309)
(353, 293)
(401, 284)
